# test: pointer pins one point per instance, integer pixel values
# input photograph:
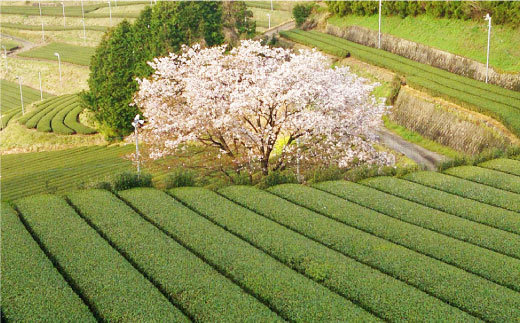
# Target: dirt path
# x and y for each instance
(420, 155)
(26, 45)
(275, 30)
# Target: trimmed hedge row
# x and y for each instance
(8, 117)
(73, 54)
(71, 121)
(467, 189)
(33, 121)
(44, 125)
(381, 294)
(505, 165)
(30, 282)
(114, 288)
(290, 294)
(10, 98)
(58, 121)
(40, 106)
(449, 203)
(487, 177)
(437, 221)
(471, 293)
(203, 293)
(52, 27)
(332, 50)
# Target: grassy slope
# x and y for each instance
(465, 38)
(68, 53)
(262, 21)
(9, 44)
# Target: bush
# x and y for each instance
(278, 177)
(180, 178)
(127, 180)
(301, 12)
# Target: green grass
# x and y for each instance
(492, 100)
(70, 10)
(51, 28)
(465, 38)
(468, 189)
(509, 166)
(107, 281)
(451, 284)
(329, 49)
(416, 138)
(262, 20)
(8, 43)
(10, 98)
(30, 282)
(489, 177)
(60, 171)
(72, 121)
(68, 53)
(192, 284)
(291, 295)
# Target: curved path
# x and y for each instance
(26, 45)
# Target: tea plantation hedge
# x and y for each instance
(383, 249)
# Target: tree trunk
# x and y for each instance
(265, 166)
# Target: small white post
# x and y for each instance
(82, 11)
(110, 11)
(379, 33)
(269, 16)
(40, 79)
(63, 6)
(59, 63)
(84, 33)
(5, 56)
(136, 124)
(21, 93)
(41, 19)
(488, 18)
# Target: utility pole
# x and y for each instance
(63, 6)
(379, 34)
(136, 124)
(41, 19)
(21, 93)
(59, 63)
(488, 18)
(110, 11)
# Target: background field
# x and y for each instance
(465, 38)
(68, 53)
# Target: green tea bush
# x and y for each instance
(509, 166)
(180, 178)
(128, 180)
(278, 177)
(300, 13)
(488, 177)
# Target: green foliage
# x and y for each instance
(446, 282)
(300, 13)
(488, 177)
(128, 180)
(509, 166)
(192, 284)
(30, 173)
(68, 53)
(103, 276)
(180, 178)
(381, 294)
(71, 121)
(503, 12)
(278, 177)
(485, 98)
(448, 203)
(286, 292)
(124, 51)
(467, 189)
(30, 282)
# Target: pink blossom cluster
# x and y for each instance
(261, 107)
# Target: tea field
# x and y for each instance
(427, 246)
(68, 53)
(497, 102)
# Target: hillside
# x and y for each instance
(422, 247)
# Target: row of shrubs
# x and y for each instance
(503, 12)
(446, 282)
(378, 293)
(289, 294)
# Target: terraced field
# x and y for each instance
(58, 114)
(10, 102)
(68, 53)
(70, 10)
(60, 171)
(378, 250)
(492, 100)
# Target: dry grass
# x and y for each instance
(73, 37)
(262, 21)
(74, 77)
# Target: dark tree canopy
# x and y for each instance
(124, 51)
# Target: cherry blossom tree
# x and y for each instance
(261, 108)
